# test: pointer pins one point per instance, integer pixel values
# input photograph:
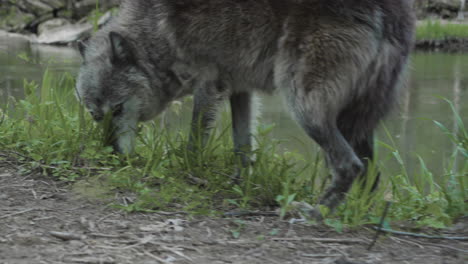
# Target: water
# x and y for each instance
(20, 60)
(432, 76)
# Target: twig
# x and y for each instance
(269, 260)
(91, 260)
(34, 194)
(44, 218)
(399, 240)
(391, 231)
(250, 213)
(170, 213)
(321, 255)
(379, 230)
(66, 236)
(155, 257)
(109, 236)
(17, 213)
(161, 244)
(104, 217)
(177, 252)
(445, 246)
(323, 240)
(14, 186)
(104, 235)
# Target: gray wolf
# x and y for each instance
(339, 65)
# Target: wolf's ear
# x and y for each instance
(122, 49)
(82, 48)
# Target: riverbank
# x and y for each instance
(45, 221)
(447, 41)
(450, 45)
(442, 35)
(441, 27)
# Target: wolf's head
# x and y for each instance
(119, 80)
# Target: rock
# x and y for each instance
(13, 19)
(27, 15)
(39, 8)
(6, 34)
(84, 7)
(61, 32)
(105, 18)
(65, 34)
(439, 8)
(56, 4)
(51, 24)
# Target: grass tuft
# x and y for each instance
(437, 30)
(50, 132)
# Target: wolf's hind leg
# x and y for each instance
(357, 126)
(343, 161)
(364, 148)
(319, 75)
(316, 113)
(316, 102)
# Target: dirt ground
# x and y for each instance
(43, 221)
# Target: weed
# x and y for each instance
(437, 30)
(50, 132)
(95, 15)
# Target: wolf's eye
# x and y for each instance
(117, 110)
(96, 116)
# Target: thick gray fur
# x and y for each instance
(338, 64)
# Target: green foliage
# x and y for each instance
(95, 15)
(49, 131)
(436, 30)
(426, 199)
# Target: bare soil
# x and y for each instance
(45, 221)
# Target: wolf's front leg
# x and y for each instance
(242, 119)
(207, 98)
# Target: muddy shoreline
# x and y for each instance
(449, 45)
(63, 22)
(45, 221)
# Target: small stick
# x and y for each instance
(399, 240)
(104, 217)
(170, 213)
(323, 240)
(155, 257)
(445, 246)
(250, 213)
(420, 235)
(108, 236)
(91, 260)
(17, 213)
(177, 253)
(321, 255)
(66, 236)
(379, 230)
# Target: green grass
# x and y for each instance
(50, 133)
(435, 30)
